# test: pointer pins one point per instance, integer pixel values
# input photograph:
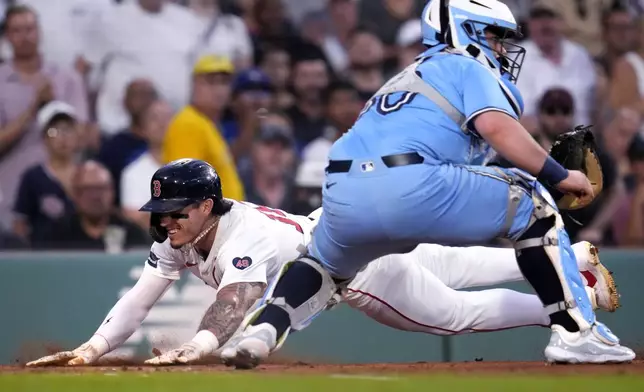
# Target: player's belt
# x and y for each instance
(411, 158)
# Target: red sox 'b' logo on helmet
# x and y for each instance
(156, 188)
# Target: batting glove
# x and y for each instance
(85, 354)
(201, 346)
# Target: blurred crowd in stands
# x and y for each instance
(95, 95)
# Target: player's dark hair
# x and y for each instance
(221, 207)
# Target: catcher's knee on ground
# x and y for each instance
(547, 261)
(300, 293)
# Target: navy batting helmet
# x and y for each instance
(177, 185)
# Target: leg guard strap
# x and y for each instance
(309, 301)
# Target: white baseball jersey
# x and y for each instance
(250, 245)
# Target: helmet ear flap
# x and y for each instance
(157, 232)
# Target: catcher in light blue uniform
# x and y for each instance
(411, 171)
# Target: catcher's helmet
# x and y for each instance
(181, 183)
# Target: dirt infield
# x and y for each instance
(518, 368)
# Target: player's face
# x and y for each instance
(185, 225)
(495, 43)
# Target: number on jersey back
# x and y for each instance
(276, 215)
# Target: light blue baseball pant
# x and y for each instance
(369, 214)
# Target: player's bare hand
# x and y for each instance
(83, 355)
(577, 184)
(187, 353)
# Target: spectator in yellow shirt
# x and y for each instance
(194, 131)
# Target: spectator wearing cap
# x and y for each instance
(268, 182)
(410, 42)
(309, 78)
(135, 181)
(253, 94)
(195, 131)
(552, 60)
(27, 82)
(93, 225)
(307, 192)
(343, 106)
(275, 61)
(298, 9)
(556, 115)
(45, 189)
(314, 27)
(122, 148)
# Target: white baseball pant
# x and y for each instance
(419, 291)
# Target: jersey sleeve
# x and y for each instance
(164, 262)
(482, 93)
(246, 258)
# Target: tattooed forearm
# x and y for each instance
(226, 314)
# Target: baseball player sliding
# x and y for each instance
(237, 248)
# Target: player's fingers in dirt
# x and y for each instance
(54, 359)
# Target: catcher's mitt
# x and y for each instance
(577, 150)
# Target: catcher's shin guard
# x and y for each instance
(299, 293)
(547, 261)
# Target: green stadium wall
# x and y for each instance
(51, 301)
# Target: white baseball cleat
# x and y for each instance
(596, 345)
(595, 276)
(252, 348)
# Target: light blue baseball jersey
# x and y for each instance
(409, 121)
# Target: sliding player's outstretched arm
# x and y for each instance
(120, 323)
(218, 324)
